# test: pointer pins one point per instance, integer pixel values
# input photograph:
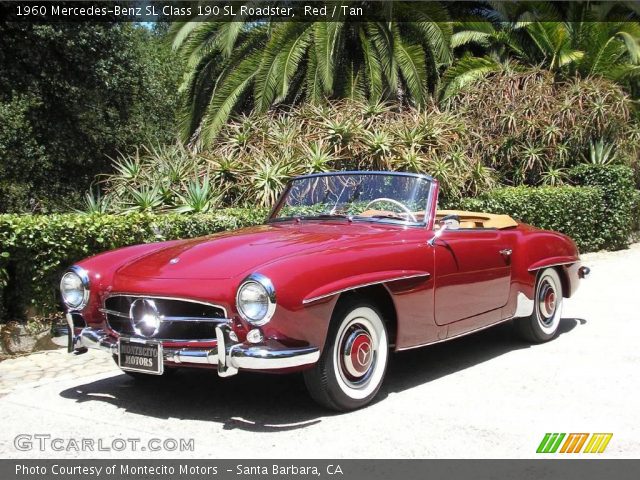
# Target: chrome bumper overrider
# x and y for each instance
(229, 356)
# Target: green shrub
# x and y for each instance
(35, 250)
(574, 211)
(617, 186)
(597, 214)
(635, 224)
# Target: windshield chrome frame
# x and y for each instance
(429, 210)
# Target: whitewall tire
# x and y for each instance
(354, 360)
(543, 323)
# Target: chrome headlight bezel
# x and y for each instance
(265, 284)
(83, 276)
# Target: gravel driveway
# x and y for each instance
(484, 395)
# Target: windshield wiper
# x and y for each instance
(326, 216)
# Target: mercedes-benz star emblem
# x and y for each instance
(363, 353)
(145, 317)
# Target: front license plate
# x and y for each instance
(140, 356)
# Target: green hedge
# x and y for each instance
(597, 214)
(635, 226)
(569, 210)
(35, 250)
(617, 186)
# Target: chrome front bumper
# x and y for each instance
(229, 356)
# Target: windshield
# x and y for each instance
(386, 197)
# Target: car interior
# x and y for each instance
(456, 219)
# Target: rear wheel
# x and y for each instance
(543, 323)
(354, 360)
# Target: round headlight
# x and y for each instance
(256, 299)
(74, 288)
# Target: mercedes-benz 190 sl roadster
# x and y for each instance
(347, 268)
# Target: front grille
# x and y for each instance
(180, 319)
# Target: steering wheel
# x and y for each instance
(403, 207)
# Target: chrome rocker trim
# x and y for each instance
(306, 301)
(228, 355)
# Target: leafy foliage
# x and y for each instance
(258, 63)
(35, 249)
(597, 215)
(81, 92)
(617, 186)
(518, 128)
(569, 210)
(532, 126)
(583, 39)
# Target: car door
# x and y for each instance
(472, 274)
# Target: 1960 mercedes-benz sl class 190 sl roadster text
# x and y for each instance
(348, 267)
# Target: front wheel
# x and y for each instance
(543, 323)
(354, 360)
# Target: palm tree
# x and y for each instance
(255, 63)
(576, 39)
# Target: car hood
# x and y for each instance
(229, 254)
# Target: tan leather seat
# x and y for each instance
(479, 220)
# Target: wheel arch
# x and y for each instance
(561, 270)
(379, 296)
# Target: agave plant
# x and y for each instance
(480, 178)
(143, 199)
(555, 177)
(409, 160)
(317, 157)
(267, 180)
(96, 203)
(601, 153)
(199, 197)
(379, 144)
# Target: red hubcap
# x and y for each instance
(357, 353)
(361, 353)
(550, 301)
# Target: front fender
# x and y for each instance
(359, 281)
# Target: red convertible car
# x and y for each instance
(348, 267)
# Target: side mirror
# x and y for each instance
(437, 235)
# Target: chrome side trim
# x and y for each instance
(552, 265)
(524, 306)
(162, 297)
(388, 280)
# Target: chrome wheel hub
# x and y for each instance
(357, 354)
(547, 301)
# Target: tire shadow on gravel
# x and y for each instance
(269, 403)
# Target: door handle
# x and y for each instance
(506, 252)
